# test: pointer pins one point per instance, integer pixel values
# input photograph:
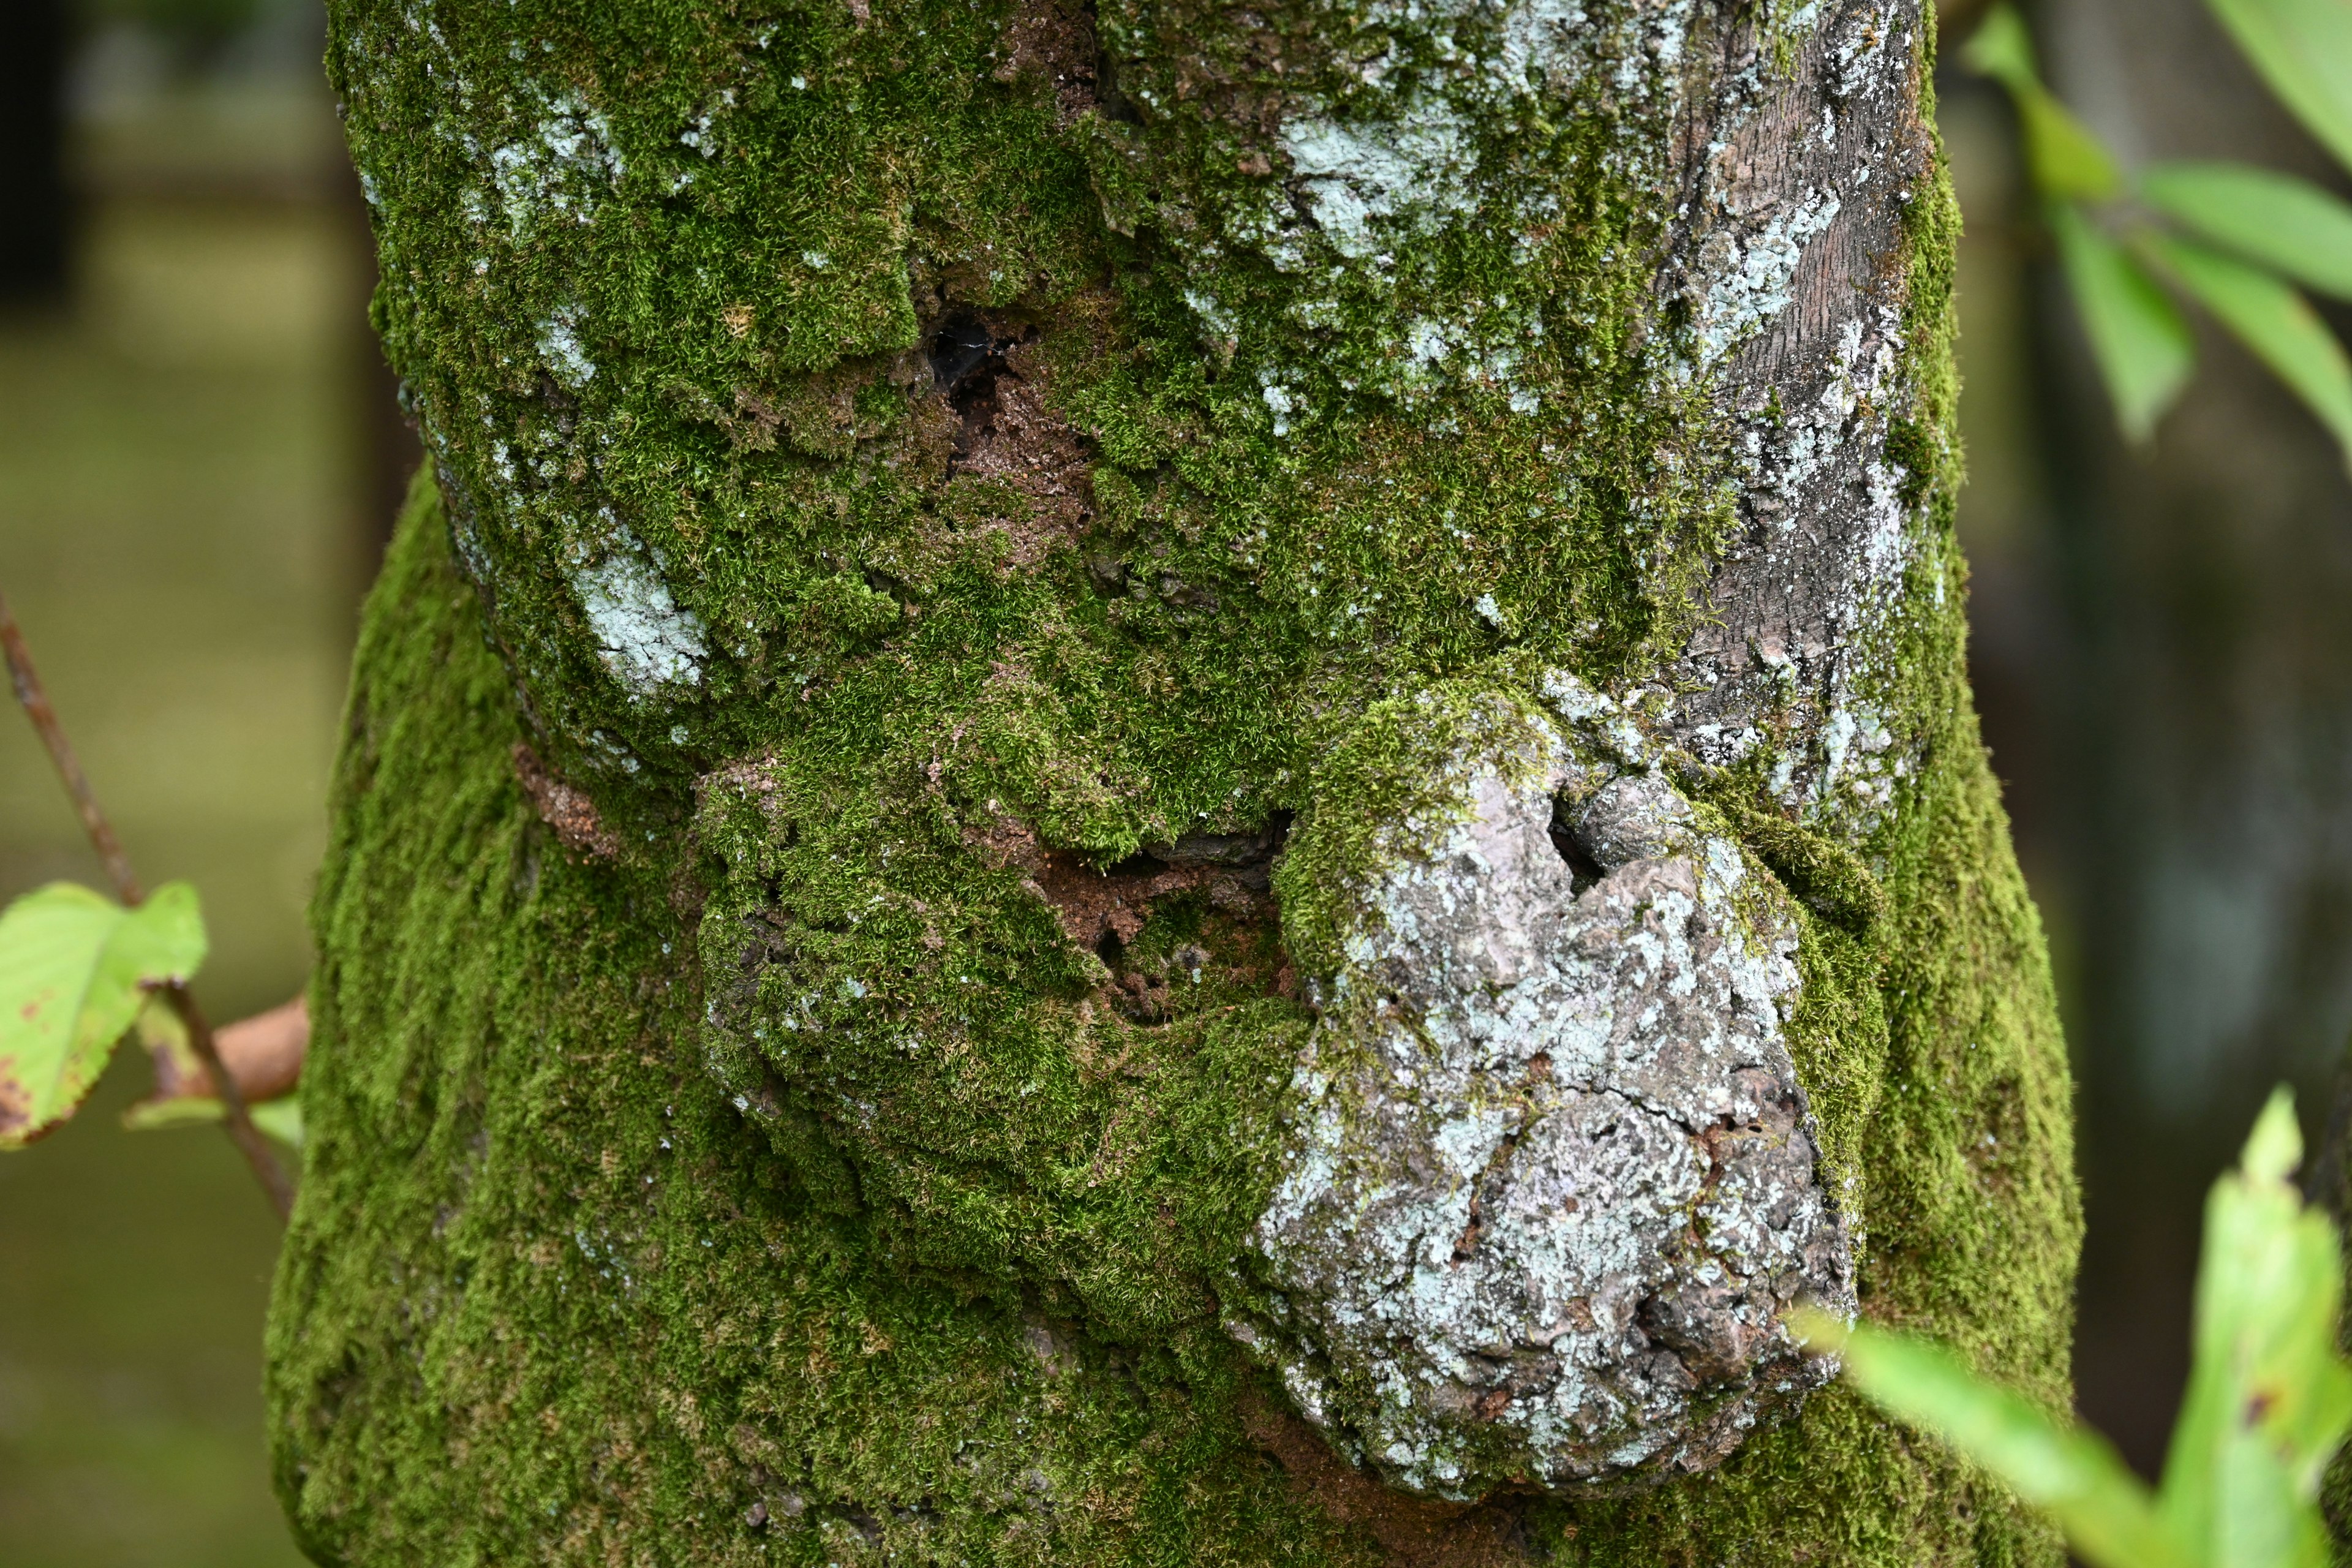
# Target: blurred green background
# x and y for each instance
(184, 433)
(199, 453)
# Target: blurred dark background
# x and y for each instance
(199, 456)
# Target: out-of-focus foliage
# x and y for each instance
(2303, 50)
(2288, 224)
(194, 28)
(2141, 342)
(2269, 1399)
(2237, 240)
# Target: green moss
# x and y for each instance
(548, 1297)
(1389, 781)
(796, 1155)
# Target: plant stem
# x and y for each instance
(53, 735)
(239, 1122)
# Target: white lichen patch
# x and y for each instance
(1415, 169)
(1747, 276)
(1401, 162)
(558, 345)
(1551, 1178)
(560, 170)
(643, 637)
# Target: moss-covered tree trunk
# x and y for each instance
(1168, 784)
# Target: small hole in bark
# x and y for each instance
(962, 346)
(1137, 865)
(1583, 870)
(967, 362)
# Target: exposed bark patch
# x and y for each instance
(1106, 907)
(1794, 260)
(990, 370)
(1054, 43)
(1412, 1533)
(569, 812)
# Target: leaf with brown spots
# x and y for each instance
(75, 970)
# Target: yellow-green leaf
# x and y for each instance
(2061, 154)
(2142, 348)
(2303, 50)
(2106, 1512)
(281, 1119)
(75, 970)
(2268, 1400)
(2276, 323)
(2281, 221)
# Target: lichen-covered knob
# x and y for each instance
(1551, 1179)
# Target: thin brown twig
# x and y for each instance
(53, 735)
(237, 1120)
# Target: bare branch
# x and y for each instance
(36, 700)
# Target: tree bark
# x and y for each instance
(1161, 785)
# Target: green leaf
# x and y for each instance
(2063, 157)
(2268, 1401)
(2061, 154)
(2284, 223)
(281, 1119)
(2143, 347)
(2304, 49)
(2275, 1148)
(2275, 322)
(75, 970)
(2104, 1509)
(2002, 49)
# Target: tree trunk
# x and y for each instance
(1161, 785)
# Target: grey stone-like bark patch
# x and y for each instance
(1551, 1179)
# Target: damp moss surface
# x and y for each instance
(891, 465)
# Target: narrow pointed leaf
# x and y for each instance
(2142, 345)
(2268, 1399)
(2106, 1512)
(281, 1119)
(75, 970)
(2276, 323)
(2002, 49)
(2283, 222)
(2061, 154)
(2303, 50)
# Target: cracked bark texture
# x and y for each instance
(1160, 784)
(1554, 1179)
